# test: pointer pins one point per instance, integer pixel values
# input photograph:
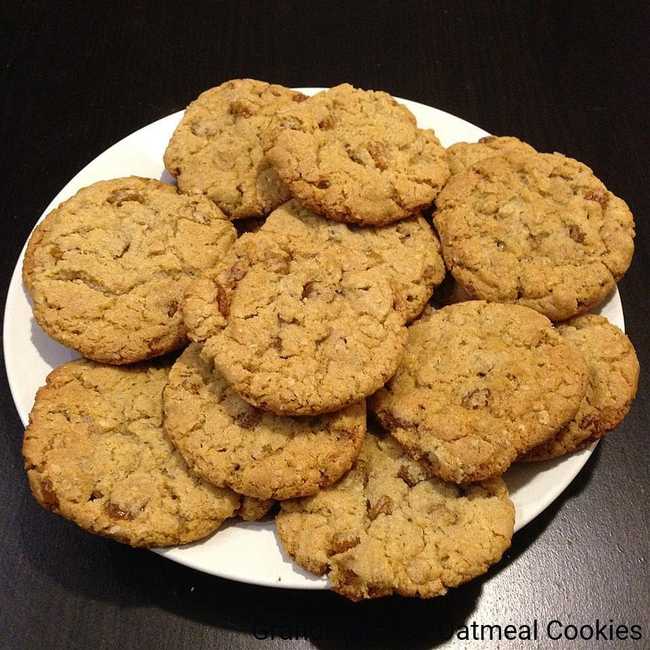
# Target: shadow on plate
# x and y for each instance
(52, 353)
(166, 177)
(115, 574)
(531, 532)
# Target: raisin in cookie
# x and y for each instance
(232, 444)
(216, 148)
(386, 528)
(479, 384)
(298, 324)
(356, 156)
(613, 380)
(535, 229)
(95, 453)
(463, 155)
(107, 269)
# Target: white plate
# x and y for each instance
(248, 552)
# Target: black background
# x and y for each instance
(565, 76)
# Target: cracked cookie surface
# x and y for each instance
(107, 269)
(296, 321)
(386, 528)
(232, 444)
(463, 155)
(479, 384)
(95, 453)
(535, 229)
(216, 148)
(356, 156)
(613, 379)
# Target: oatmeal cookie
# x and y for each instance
(463, 155)
(386, 528)
(408, 251)
(479, 384)
(232, 444)
(298, 324)
(535, 229)
(107, 269)
(95, 453)
(216, 148)
(613, 380)
(356, 156)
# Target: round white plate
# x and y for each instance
(248, 552)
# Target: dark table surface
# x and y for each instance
(569, 77)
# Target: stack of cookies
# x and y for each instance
(314, 372)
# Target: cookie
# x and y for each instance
(479, 384)
(252, 509)
(356, 156)
(463, 155)
(408, 252)
(535, 229)
(613, 380)
(386, 528)
(232, 444)
(216, 149)
(95, 453)
(107, 269)
(298, 324)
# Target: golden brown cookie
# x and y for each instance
(407, 251)
(479, 384)
(463, 155)
(356, 156)
(107, 269)
(535, 229)
(298, 323)
(613, 380)
(95, 453)
(386, 528)
(232, 444)
(252, 509)
(216, 149)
